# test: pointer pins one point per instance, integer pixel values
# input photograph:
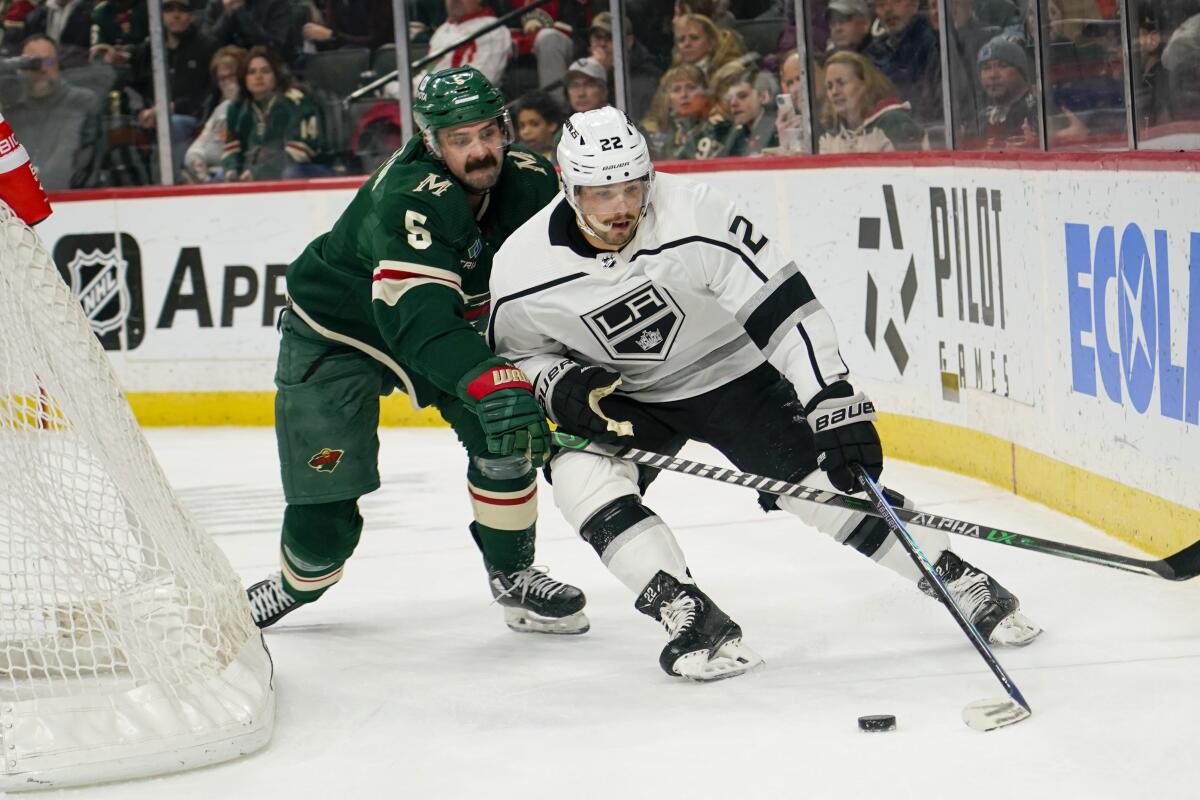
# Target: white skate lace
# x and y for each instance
(971, 592)
(678, 614)
(533, 580)
(269, 599)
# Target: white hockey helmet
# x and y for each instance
(600, 148)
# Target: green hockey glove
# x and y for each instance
(512, 420)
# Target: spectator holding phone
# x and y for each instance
(791, 117)
(58, 123)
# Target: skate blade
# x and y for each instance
(524, 621)
(987, 715)
(730, 660)
(1015, 630)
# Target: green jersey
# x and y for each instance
(699, 138)
(403, 275)
(267, 139)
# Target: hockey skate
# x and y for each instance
(992, 609)
(534, 602)
(269, 601)
(705, 644)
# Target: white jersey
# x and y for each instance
(488, 53)
(699, 297)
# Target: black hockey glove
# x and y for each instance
(513, 422)
(568, 393)
(844, 434)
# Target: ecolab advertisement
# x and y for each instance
(1127, 309)
(1058, 309)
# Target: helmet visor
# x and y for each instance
(463, 136)
(611, 212)
(627, 197)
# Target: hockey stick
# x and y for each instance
(982, 715)
(1181, 566)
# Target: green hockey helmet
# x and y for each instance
(457, 96)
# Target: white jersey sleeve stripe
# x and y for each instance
(404, 269)
(795, 320)
(390, 290)
(791, 294)
(769, 288)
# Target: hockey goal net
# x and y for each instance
(126, 644)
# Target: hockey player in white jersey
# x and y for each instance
(661, 297)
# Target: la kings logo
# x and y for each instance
(104, 271)
(638, 326)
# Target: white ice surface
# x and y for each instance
(404, 682)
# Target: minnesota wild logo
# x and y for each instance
(326, 460)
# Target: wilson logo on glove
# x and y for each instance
(513, 375)
(856, 412)
(497, 378)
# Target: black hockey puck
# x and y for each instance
(877, 723)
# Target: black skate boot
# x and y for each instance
(992, 609)
(536, 603)
(270, 602)
(705, 644)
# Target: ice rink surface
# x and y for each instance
(403, 681)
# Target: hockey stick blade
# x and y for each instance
(987, 715)
(1181, 566)
(981, 715)
(1185, 564)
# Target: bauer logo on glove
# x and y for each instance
(855, 412)
(843, 434)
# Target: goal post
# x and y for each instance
(126, 643)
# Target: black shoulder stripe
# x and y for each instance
(704, 239)
(491, 331)
(791, 295)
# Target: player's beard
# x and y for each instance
(480, 174)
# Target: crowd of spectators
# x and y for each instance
(258, 87)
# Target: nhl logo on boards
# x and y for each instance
(327, 460)
(104, 271)
(98, 280)
(640, 325)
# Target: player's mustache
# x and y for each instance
(605, 227)
(481, 163)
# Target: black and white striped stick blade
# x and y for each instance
(987, 715)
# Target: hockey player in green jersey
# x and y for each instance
(394, 296)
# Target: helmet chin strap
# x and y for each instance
(597, 225)
(595, 228)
